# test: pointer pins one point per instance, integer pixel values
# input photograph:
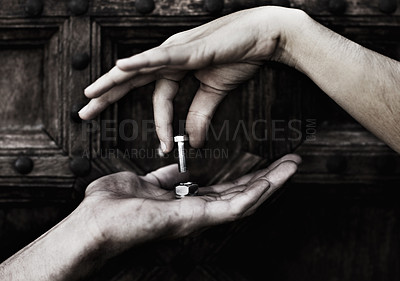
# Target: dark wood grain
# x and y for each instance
(326, 225)
(20, 102)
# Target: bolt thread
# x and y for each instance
(182, 158)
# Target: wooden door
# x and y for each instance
(51, 50)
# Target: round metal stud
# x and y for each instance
(80, 166)
(336, 164)
(387, 6)
(337, 7)
(144, 6)
(23, 165)
(237, 5)
(73, 114)
(33, 8)
(78, 7)
(282, 3)
(214, 6)
(80, 61)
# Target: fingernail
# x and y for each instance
(163, 146)
(120, 63)
(83, 110)
(87, 88)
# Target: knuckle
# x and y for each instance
(104, 101)
(207, 88)
(235, 182)
(198, 115)
(236, 211)
(266, 181)
(177, 37)
(111, 77)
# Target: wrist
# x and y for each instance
(65, 252)
(291, 25)
(93, 230)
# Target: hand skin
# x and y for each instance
(228, 51)
(122, 210)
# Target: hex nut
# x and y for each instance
(186, 189)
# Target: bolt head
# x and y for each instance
(181, 191)
(181, 138)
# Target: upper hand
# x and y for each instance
(224, 53)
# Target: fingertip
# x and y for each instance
(166, 146)
(196, 143)
(197, 135)
(83, 113)
(166, 137)
(87, 91)
(292, 157)
(289, 167)
(122, 64)
(163, 146)
(90, 111)
(90, 91)
(170, 146)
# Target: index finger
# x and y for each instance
(179, 54)
(114, 77)
(164, 94)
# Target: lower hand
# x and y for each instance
(128, 209)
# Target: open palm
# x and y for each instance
(131, 209)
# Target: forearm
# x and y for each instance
(363, 82)
(65, 252)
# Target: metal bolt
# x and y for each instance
(186, 189)
(181, 152)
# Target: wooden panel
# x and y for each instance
(78, 36)
(196, 7)
(16, 8)
(15, 141)
(352, 7)
(32, 115)
(21, 91)
(347, 156)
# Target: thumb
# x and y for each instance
(201, 112)
(166, 177)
